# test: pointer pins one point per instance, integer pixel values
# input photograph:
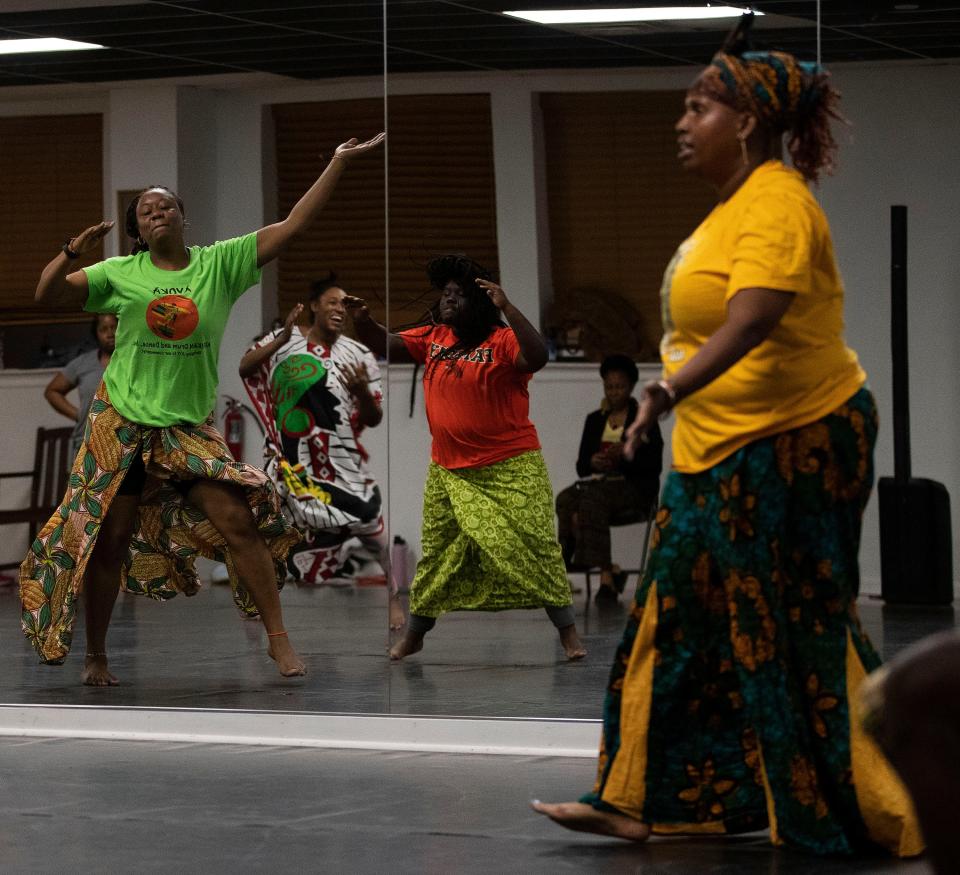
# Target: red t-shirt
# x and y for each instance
(477, 402)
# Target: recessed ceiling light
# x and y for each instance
(47, 44)
(610, 16)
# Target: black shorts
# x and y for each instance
(136, 477)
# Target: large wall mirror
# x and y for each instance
(545, 151)
(237, 110)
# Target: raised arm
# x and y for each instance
(272, 239)
(252, 359)
(374, 335)
(533, 348)
(57, 286)
(751, 315)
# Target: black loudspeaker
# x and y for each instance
(916, 542)
(916, 538)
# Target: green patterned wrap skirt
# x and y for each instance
(488, 540)
(732, 703)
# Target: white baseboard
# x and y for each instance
(476, 735)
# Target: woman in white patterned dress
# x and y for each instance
(315, 392)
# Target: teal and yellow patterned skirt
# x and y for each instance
(488, 540)
(732, 701)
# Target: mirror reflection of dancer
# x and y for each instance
(315, 392)
(728, 707)
(488, 542)
(154, 484)
(83, 373)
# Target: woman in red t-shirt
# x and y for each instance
(488, 541)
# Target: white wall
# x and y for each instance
(905, 131)
(208, 141)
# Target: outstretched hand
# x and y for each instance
(354, 147)
(497, 294)
(653, 404)
(354, 378)
(88, 239)
(291, 320)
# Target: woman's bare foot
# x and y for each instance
(96, 674)
(398, 619)
(410, 643)
(572, 645)
(282, 653)
(581, 817)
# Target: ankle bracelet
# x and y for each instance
(91, 655)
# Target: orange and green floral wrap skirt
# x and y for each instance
(732, 703)
(169, 533)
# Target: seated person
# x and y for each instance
(83, 374)
(614, 489)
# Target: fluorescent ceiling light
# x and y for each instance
(616, 16)
(48, 44)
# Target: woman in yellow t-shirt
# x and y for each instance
(732, 703)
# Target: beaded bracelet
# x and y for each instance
(669, 391)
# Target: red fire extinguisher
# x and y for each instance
(233, 427)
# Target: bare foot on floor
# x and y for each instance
(410, 643)
(282, 653)
(581, 817)
(398, 619)
(96, 674)
(572, 645)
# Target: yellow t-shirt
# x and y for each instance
(772, 234)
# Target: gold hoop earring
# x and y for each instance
(743, 150)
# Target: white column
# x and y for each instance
(140, 146)
(522, 271)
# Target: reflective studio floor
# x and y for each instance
(119, 806)
(199, 653)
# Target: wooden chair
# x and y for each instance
(629, 519)
(51, 463)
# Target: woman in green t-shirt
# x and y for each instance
(154, 484)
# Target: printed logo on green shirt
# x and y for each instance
(289, 382)
(172, 317)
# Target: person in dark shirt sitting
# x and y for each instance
(613, 489)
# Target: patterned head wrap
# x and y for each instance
(775, 86)
(786, 95)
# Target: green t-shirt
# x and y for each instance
(171, 322)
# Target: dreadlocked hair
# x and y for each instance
(810, 140)
(481, 315)
(131, 225)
